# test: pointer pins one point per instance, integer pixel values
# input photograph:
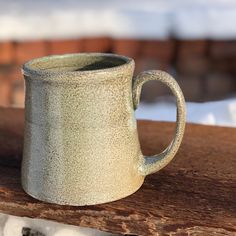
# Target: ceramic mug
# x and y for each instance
(81, 144)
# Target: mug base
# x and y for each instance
(84, 202)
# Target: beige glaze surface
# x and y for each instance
(81, 144)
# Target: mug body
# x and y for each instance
(81, 144)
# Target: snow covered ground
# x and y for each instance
(157, 19)
(12, 226)
(221, 113)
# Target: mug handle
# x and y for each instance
(154, 163)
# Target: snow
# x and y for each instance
(150, 19)
(220, 113)
(12, 226)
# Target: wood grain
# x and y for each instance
(194, 195)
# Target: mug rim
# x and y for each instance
(28, 70)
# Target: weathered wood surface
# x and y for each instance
(194, 195)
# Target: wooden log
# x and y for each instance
(194, 195)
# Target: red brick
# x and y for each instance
(5, 93)
(102, 44)
(10, 73)
(161, 50)
(147, 63)
(28, 50)
(65, 46)
(152, 90)
(232, 66)
(6, 52)
(191, 48)
(16, 73)
(222, 65)
(127, 47)
(219, 86)
(223, 49)
(195, 66)
(18, 93)
(192, 87)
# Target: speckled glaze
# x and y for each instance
(81, 144)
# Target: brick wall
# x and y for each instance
(204, 69)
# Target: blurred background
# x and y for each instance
(194, 41)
